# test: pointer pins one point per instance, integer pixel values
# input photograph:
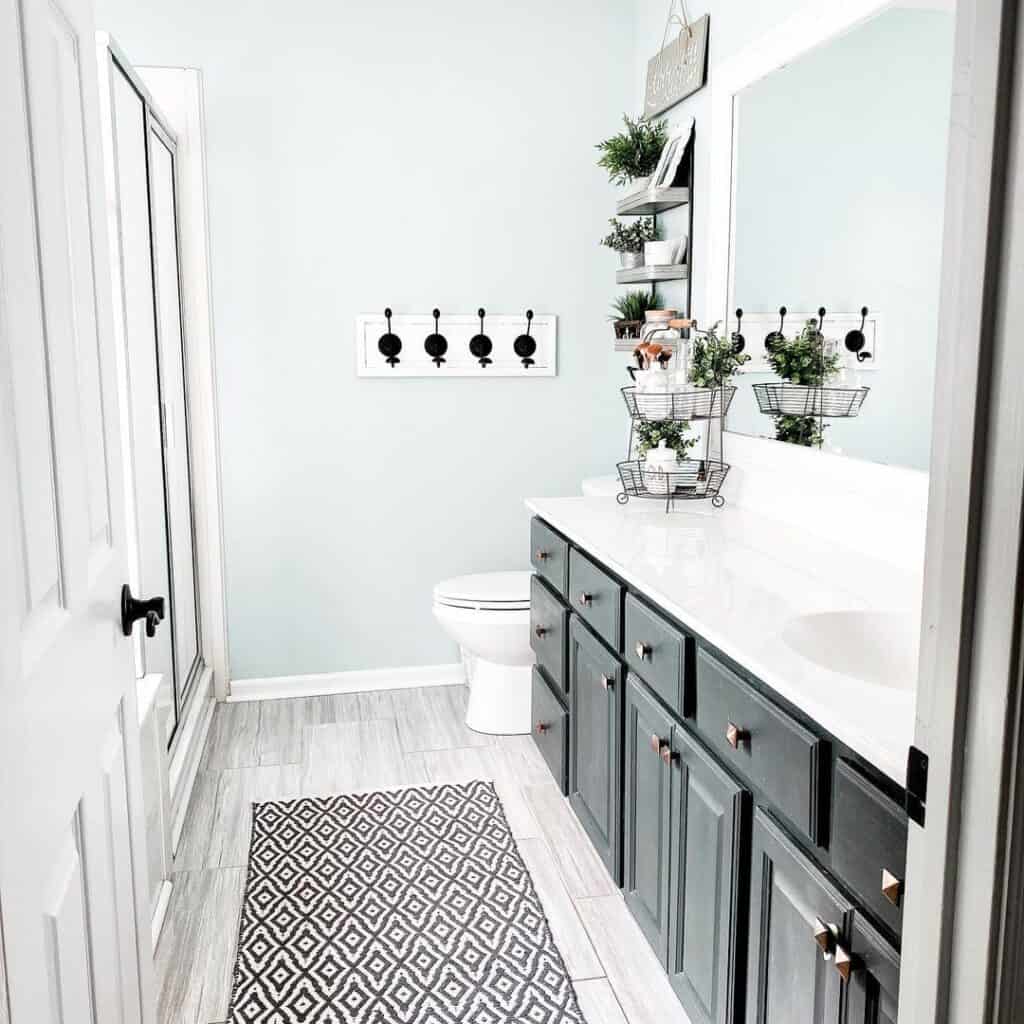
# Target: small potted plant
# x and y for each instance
(628, 240)
(804, 361)
(634, 153)
(629, 310)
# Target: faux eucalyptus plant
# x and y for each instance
(803, 360)
(672, 432)
(630, 237)
(633, 153)
(713, 360)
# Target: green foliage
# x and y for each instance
(805, 430)
(672, 432)
(713, 360)
(803, 360)
(634, 304)
(630, 237)
(633, 153)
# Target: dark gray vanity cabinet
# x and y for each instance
(648, 809)
(595, 750)
(798, 920)
(550, 728)
(549, 631)
(710, 849)
(873, 991)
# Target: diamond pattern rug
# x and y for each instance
(410, 906)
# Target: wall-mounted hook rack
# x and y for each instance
(772, 324)
(521, 345)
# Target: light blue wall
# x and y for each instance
(364, 154)
(840, 185)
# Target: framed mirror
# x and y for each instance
(837, 193)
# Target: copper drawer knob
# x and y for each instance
(643, 651)
(825, 937)
(607, 682)
(586, 599)
(542, 727)
(542, 555)
(541, 631)
(668, 755)
(657, 743)
(892, 887)
(734, 736)
(844, 963)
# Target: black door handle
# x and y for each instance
(132, 609)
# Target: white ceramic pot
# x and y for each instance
(660, 254)
(631, 260)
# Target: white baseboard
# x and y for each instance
(362, 681)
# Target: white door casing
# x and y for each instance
(72, 878)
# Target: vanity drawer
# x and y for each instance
(549, 632)
(762, 743)
(551, 729)
(869, 843)
(597, 598)
(660, 654)
(549, 554)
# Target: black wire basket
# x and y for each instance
(777, 398)
(693, 479)
(693, 404)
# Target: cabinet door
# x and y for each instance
(794, 912)
(648, 813)
(707, 920)
(873, 990)
(595, 775)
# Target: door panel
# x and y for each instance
(710, 847)
(789, 979)
(67, 874)
(595, 782)
(873, 991)
(647, 818)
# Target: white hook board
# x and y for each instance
(458, 330)
(756, 325)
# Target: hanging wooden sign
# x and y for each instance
(679, 68)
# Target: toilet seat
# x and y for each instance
(487, 591)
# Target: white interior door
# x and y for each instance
(72, 877)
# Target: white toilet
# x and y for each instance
(488, 616)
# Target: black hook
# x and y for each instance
(436, 343)
(855, 340)
(525, 346)
(821, 320)
(390, 344)
(739, 343)
(774, 337)
(480, 345)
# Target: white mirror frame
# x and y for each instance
(814, 24)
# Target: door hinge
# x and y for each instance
(917, 784)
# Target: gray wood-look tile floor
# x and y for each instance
(312, 746)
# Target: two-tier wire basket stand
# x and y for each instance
(693, 479)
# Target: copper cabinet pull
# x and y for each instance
(541, 631)
(657, 743)
(607, 682)
(735, 735)
(825, 936)
(586, 599)
(643, 651)
(668, 755)
(892, 887)
(543, 727)
(542, 555)
(844, 963)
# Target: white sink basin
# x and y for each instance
(877, 647)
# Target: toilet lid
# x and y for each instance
(509, 591)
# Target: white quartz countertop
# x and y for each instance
(757, 589)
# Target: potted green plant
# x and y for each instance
(675, 434)
(714, 360)
(629, 310)
(628, 240)
(802, 360)
(633, 153)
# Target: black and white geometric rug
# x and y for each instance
(411, 906)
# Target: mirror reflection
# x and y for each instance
(839, 180)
